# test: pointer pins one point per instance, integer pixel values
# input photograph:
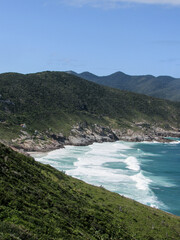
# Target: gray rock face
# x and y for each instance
(83, 134)
(37, 143)
(78, 141)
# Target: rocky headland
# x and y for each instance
(83, 134)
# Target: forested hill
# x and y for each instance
(38, 202)
(57, 100)
(165, 87)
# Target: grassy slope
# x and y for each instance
(39, 202)
(162, 87)
(58, 100)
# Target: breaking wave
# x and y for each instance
(116, 166)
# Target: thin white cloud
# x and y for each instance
(116, 3)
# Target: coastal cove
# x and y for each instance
(147, 172)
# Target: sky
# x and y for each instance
(101, 36)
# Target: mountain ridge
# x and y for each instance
(165, 87)
(47, 106)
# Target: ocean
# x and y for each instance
(148, 172)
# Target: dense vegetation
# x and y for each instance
(58, 100)
(39, 202)
(162, 87)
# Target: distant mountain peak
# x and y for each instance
(71, 72)
(165, 87)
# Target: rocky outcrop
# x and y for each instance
(83, 134)
(163, 133)
(36, 143)
(146, 132)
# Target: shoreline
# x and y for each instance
(38, 154)
(99, 146)
(46, 151)
(81, 135)
(43, 154)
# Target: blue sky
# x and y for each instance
(100, 36)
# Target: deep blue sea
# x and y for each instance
(146, 172)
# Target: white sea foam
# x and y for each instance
(163, 182)
(149, 154)
(132, 163)
(98, 164)
(142, 182)
(152, 142)
(174, 142)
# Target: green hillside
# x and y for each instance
(39, 202)
(161, 87)
(58, 100)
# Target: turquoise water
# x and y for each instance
(146, 172)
